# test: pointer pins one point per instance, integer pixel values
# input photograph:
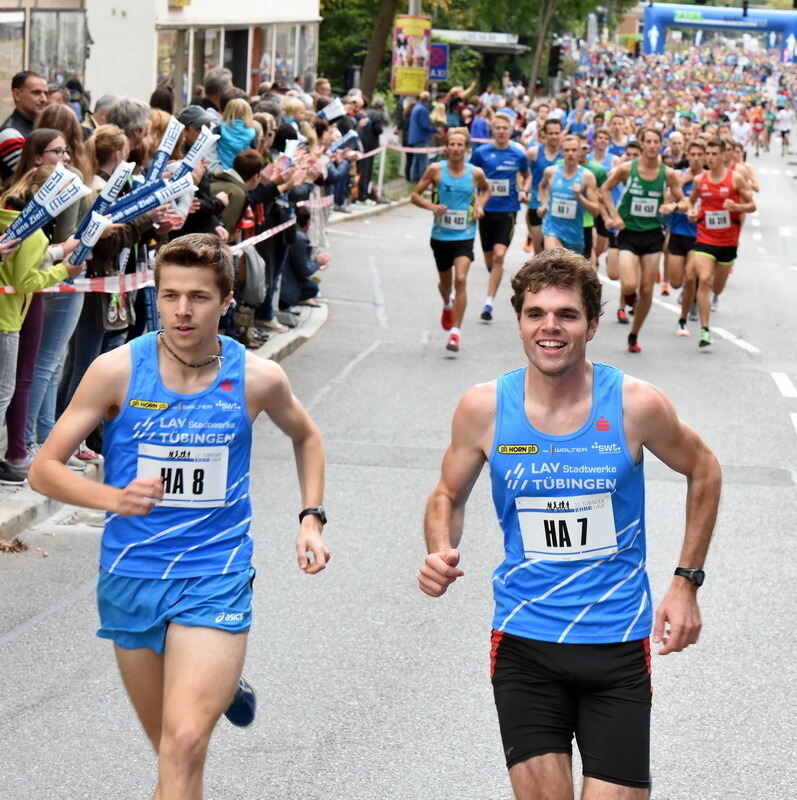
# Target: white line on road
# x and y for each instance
(336, 230)
(784, 384)
(341, 376)
(732, 338)
(755, 222)
(379, 297)
(761, 250)
(793, 422)
(756, 237)
(424, 338)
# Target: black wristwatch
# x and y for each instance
(317, 511)
(695, 576)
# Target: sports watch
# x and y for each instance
(317, 511)
(695, 576)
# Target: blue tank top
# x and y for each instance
(501, 166)
(618, 149)
(456, 194)
(541, 163)
(678, 222)
(572, 512)
(200, 445)
(564, 218)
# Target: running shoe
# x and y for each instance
(705, 338)
(242, 708)
(622, 317)
(453, 343)
(665, 289)
(8, 477)
(682, 330)
(487, 313)
(85, 453)
(633, 345)
(715, 303)
(693, 315)
(527, 245)
(447, 318)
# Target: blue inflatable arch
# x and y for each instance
(781, 26)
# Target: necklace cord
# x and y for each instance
(218, 357)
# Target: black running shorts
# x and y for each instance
(641, 243)
(722, 255)
(445, 252)
(496, 227)
(546, 692)
(600, 226)
(533, 218)
(680, 245)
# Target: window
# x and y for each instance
(262, 67)
(12, 32)
(58, 44)
(285, 53)
(207, 53)
(308, 54)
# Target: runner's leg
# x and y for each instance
(497, 271)
(650, 270)
(704, 266)
(545, 777)
(201, 671)
(461, 267)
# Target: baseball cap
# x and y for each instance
(196, 116)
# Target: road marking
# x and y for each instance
(424, 338)
(783, 382)
(341, 376)
(757, 236)
(69, 599)
(334, 229)
(379, 297)
(755, 222)
(761, 250)
(793, 422)
(732, 338)
(784, 231)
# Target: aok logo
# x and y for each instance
(515, 449)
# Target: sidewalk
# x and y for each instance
(21, 507)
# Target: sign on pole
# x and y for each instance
(438, 62)
(412, 38)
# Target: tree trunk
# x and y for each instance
(376, 47)
(546, 15)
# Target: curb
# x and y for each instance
(22, 507)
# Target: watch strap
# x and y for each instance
(317, 511)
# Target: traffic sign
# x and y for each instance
(438, 62)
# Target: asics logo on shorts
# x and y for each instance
(229, 617)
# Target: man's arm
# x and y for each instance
(651, 421)
(101, 391)
(483, 196)
(429, 178)
(471, 435)
(268, 389)
(588, 196)
(617, 176)
(542, 190)
(747, 206)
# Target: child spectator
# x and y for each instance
(236, 131)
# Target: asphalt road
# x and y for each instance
(367, 688)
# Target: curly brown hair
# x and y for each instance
(563, 269)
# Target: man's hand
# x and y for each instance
(439, 570)
(478, 211)
(677, 618)
(224, 197)
(222, 233)
(7, 248)
(541, 210)
(69, 245)
(139, 497)
(438, 209)
(73, 270)
(310, 541)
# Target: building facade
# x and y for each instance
(141, 44)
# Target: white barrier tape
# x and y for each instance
(261, 237)
(112, 284)
(316, 203)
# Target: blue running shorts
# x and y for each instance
(135, 612)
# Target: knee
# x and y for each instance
(460, 283)
(184, 744)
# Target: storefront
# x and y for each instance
(141, 44)
(51, 41)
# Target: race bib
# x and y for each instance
(644, 206)
(454, 220)
(565, 209)
(499, 187)
(193, 477)
(716, 220)
(567, 528)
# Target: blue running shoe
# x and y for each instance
(487, 313)
(242, 708)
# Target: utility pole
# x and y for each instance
(415, 8)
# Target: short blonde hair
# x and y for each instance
(237, 108)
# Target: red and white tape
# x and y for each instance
(112, 284)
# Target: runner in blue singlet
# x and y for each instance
(564, 439)
(174, 590)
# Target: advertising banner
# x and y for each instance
(412, 41)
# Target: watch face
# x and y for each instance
(698, 576)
